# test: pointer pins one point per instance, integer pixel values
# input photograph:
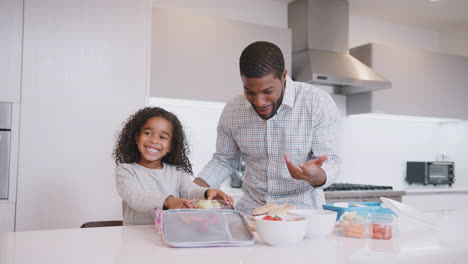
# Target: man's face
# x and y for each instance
(265, 94)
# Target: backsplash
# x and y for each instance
(374, 151)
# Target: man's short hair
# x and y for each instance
(260, 59)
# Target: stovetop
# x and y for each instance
(355, 187)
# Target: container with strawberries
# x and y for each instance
(381, 226)
(372, 225)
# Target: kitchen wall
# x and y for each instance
(85, 66)
(374, 151)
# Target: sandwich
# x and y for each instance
(273, 209)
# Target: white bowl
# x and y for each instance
(321, 222)
(281, 233)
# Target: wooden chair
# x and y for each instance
(101, 224)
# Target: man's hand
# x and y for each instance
(219, 195)
(311, 171)
(172, 202)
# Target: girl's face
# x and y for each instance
(154, 142)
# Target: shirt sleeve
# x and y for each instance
(227, 156)
(136, 197)
(189, 190)
(325, 138)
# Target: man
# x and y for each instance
(282, 123)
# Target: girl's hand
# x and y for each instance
(219, 195)
(172, 202)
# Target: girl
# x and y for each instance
(153, 167)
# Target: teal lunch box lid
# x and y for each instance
(367, 208)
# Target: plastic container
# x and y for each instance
(361, 208)
(211, 204)
(381, 226)
(355, 227)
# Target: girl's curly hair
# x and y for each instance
(126, 149)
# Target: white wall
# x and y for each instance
(454, 139)
(85, 70)
(455, 40)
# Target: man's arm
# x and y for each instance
(325, 167)
(227, 156)
(201, 182)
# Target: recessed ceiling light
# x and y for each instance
(434, 0)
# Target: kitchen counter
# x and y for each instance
(340, 196)
(141, 244)
(363, 195)
(434, 190)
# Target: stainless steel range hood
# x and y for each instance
(320, 48)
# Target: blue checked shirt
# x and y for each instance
(305, 127)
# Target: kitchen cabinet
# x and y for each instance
(197, 56)
(7, 217)
(11, 30)
(424, 83)
(85, 68)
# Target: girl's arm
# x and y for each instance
(128, 187)
(188, 189)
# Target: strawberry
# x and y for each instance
(272, 218)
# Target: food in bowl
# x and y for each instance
(273, 209)
(290, 230)
(321, 222)
(272, 218)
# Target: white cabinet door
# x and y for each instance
(84, 73)
(11, 26)
(7, 217)
(437, 202)
(424, 83)
(196, 57)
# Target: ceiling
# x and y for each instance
(438, 15)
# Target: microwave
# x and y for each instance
(430, 172)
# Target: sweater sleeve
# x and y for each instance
(189, 190)
(129, 188)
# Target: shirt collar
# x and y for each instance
(289, 93)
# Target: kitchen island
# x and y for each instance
(141, 244)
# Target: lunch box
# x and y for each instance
(203, 228)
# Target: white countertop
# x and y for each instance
(427, 190)
(141, 244)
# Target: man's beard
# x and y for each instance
(276, 105)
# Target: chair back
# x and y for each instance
(101, 224)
